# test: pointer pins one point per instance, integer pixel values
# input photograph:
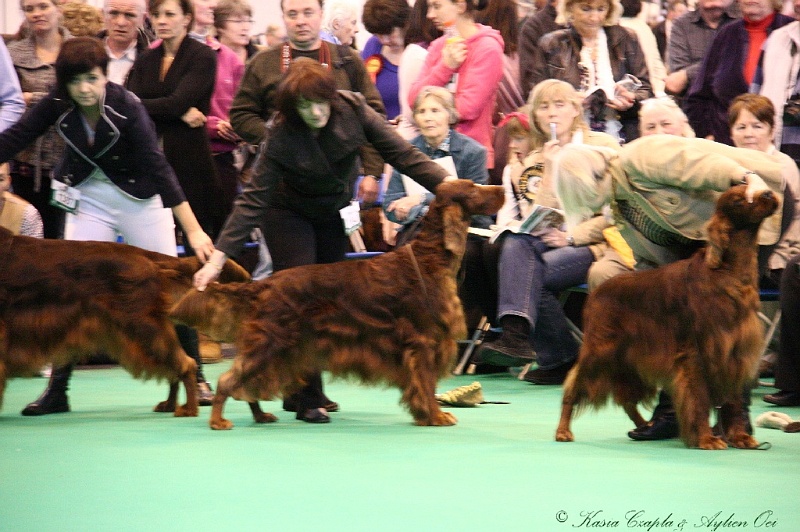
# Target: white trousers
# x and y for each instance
(106, 212)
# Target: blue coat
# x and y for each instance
(125, 147)
(469, 157)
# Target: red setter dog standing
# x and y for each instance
(690, 327)
(64, 300)
(394, 318)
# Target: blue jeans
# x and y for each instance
(530, 276)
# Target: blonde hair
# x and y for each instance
(553, 89)
(564, 16)
(582, 181)
(665, 103)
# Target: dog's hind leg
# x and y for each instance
(633, 413)
(3, 377)
(259, 416)
(570, 398)
(189, 377)
(171, 402)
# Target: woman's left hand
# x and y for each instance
(553, 237)
(202, 245)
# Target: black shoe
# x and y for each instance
(290, 405)
(663, 427)
(54, 398)
(49, 403)
(555, 375)
(507, 352)
(314, 415)
(205, 395)
(783, 398)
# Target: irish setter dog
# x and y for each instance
(62, 300)
(690, 327)
(391, 319)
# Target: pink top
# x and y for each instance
(476, 88)
(230, 70)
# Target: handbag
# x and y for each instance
(791, 111)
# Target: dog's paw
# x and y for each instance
(164, 406)
(564, 435)
(439, 419)
(711, 443)
(742, 440)
(220, 424)
(264, 417)
(187, 411)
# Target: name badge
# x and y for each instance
(64, 196)
(351, 217)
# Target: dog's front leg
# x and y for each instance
(419, 392)
(692, 405)
(731, 419)
(259, 416)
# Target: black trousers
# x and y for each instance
(787, 369)
(296, 240)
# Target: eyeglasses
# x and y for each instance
(240, 20)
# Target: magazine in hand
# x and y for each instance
(540, 218)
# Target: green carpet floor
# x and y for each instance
(113, 465)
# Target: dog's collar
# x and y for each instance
(416, 269)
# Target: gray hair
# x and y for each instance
(665, 103)
(443, 96)
(140, 4)
(339, 10)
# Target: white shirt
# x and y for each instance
(119, 66)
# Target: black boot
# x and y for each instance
(662, 426)
(54, 399)
(191, 344)
(513, 348)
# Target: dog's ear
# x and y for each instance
(719, 229)
(453, 227)
(217, 311)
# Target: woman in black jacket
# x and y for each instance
(112, 180)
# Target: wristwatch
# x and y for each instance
(570, 240)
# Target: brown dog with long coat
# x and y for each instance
(690, 327)
(61, 301)
(392, 319)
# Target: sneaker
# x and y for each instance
(555, 375)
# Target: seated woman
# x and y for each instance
(434, 114)
(751, 119)
(534, 268)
